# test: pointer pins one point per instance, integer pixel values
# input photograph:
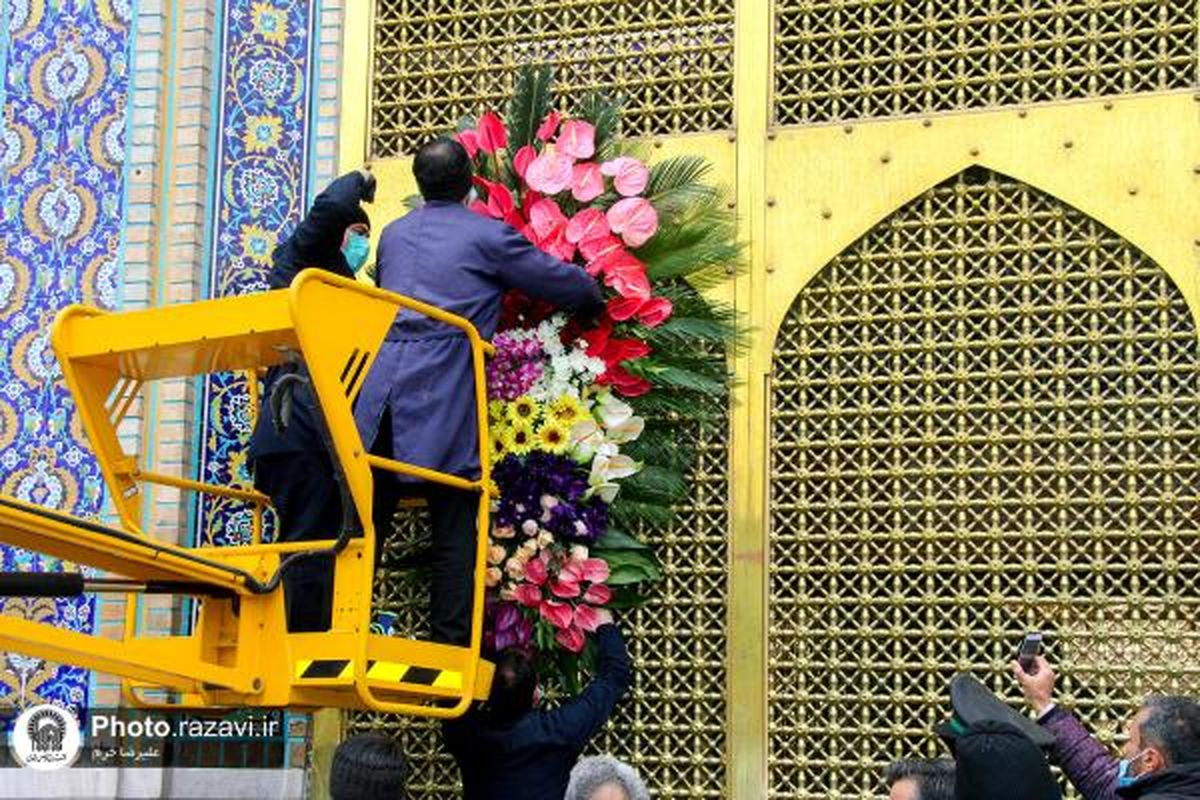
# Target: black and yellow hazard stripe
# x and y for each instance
(342, 669)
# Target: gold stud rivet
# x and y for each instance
(770, 202)
(1068, 144)
(1108, 105)
(1133, 190)
(927, 123)
(826, 213)
(974, 151)
(771, 135)
(732, 137)
(1022, 113)
(885, 158)
(848, 129)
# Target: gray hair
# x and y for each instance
(595, 772)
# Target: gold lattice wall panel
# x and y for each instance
(984, 420)
(866, 59)
(672, 724)
(436, 61)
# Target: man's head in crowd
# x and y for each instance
(920, 779)
(369, 766)
(513, 686)
(605, 778)
(1164, 733)
(443, 170)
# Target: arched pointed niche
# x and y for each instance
(985, 415)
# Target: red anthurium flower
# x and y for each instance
(616, 351)
(549, 127)
(655, 312)
(493, 135)
(480, 208)
(549, 173)
(523, 159)
(546, 218)
(577, 139)
(634, 219)
(557, 614)
(627, 278)
(623, 308)
(528, 595)
(586, 617)
(597, 338)
(499, 198)
(572, 639)
(469, 139)
(588, 226)
(586, 182)
(625, 383)
(629, 175)
(595, 570)
(564, 588)
(535, 571)
(556, 244)
(598, 594)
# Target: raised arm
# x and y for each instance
(520, 265)
(577, 721)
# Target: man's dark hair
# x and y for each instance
(1172, 725)
(443, 170)
(934, 777)
(513, 685)
(369, 766)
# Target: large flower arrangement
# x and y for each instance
(585, 415)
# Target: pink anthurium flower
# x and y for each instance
(629, 175)
(528, 595)
(586, 182)
(469, 139)
(557, 614)
(634, 219)
(480, 208)
(550, 172)
(549, 126)
(586, 617)
(546, 217)
(523, 159)
(595, 570)
(627, 278)
(535, 571)
(564, 588)
(655, 312)
(587, 226)
(598, 594)
(572, 639)
(577, 139)
(623, 308)
(492, 134)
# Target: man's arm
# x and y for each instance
(333, 209)
(577, 721)
(520, 265)
(1085, 761)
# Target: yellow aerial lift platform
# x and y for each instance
(240, 652)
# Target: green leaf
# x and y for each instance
(529, 105)
(616, 539)
(605, 116)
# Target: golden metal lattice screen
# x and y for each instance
(672, 724)
(866, 59)
(436, 61)
(985, 419)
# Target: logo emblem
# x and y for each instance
(45, 738)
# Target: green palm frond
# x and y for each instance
(529, 105)
(605, 115)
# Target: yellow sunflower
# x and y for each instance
(553, 436)
(524, 409)
(519, 438)
(499, 445)
(566, 410)
(496, 411)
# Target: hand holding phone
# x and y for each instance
(1031, 648)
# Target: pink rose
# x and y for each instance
(492, 134)
(572, 639)
(598, 594)
(586, 182)
(493, 576)
(629, 175)
(655, 312)
(587, 226)
(469, 139)
(496, 554)
(557, 614)
(577, 139)
(535, 571)
(587, 617)
(549, 126)
(523, 159)
(528, 595)
(550, 173)
(634, 219)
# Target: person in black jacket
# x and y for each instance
(509, 749)
(293, 466)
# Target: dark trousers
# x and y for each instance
(452, 560)
(305, 495)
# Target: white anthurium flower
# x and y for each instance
(626, 431)
(613, 411)
(605, 491)
(586, 439)
(606, 470)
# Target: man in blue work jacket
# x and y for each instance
(509, 749)
(417, 404)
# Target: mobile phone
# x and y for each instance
(1031, 648)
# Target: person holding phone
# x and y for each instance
(1160, 759)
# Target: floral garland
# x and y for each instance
(584, 421)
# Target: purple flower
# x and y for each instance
(516, 366)
(525, 481)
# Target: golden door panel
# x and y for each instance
(440, 60)
(985, 416)
(866, 59)
(671, 726)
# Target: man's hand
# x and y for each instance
(368, 191)
(1038, 688)
(605, 616)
